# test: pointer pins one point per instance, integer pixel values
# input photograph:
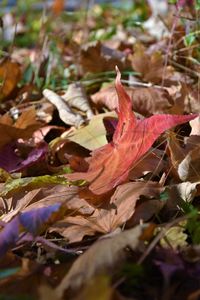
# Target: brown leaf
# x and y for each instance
(10, 75)
(185, 160)
(152, 162)
(145, 211)
(27, 118)
(23, 128)
(42, 197)
(146, 101)
(95, 57)
(99, 258)
(189, 168)
(76, 97)
(151, 67)
(65, 112)
(122, 207)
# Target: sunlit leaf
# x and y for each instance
(110, 165)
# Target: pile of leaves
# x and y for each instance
(99, 151)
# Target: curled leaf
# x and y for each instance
(76, 97)
(65, 113)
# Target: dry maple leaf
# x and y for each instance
(107, 220)
(110, 165)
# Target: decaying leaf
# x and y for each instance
(42, 197)
(146, 101)
(16, 185)
(95, 57)
(189, 168)
(65, 112)
(110, 165)
(123, 203)
(151, 68)
(98, 288)
(32, 221)
(185, 160)
(174, 196)
(75, 96)
(175, 237)
(104, 254)
(10, 75)
(11, 162)
(24, 127)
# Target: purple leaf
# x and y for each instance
(34, 220)
(168, 262)
(9, 235)
(11, 162)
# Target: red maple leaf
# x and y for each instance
(110, 165)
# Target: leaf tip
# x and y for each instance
(118, 78)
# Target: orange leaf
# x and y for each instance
(110, 165)
(58, 6)
(10, 74)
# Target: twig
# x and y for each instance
(159, 236)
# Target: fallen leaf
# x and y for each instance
(32, 221)
(145, 211)
(44, 196)
(65, 112)
(150, 67)
(156, 27)
(185, 160)
(98, 288)
(104, 254)
(175, 195)
(23, 128)
(15, 185)
(104, 57)
(146, 101)
(75, 96)
(10, 75)
(91, 136)
(152, 162)
(189, 167)
(27, 118)
(195, 126)
(11, 162)
(110, 165)
(123, 203)
(175, 237)
(17, 205)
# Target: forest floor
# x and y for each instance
(99, 151)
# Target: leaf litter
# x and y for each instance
(99, 152)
